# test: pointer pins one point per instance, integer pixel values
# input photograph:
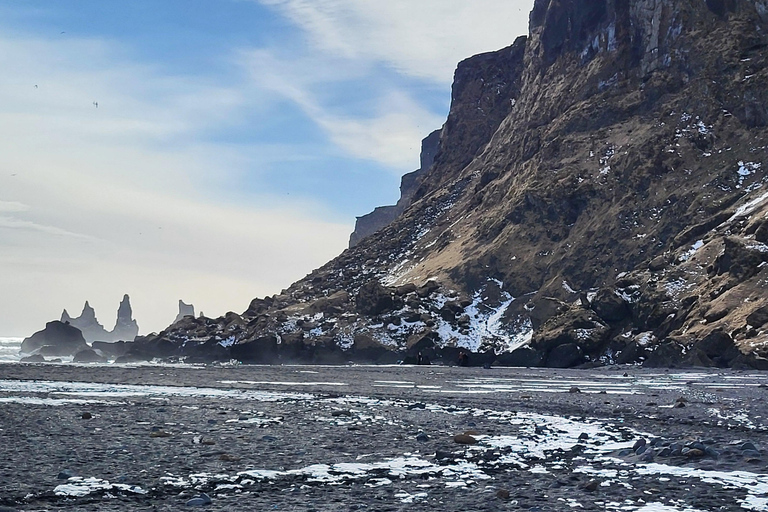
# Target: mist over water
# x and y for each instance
(9, 349)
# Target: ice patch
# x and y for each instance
(78, 487)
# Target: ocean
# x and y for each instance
(9, 349)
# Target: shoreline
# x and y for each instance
(371, 437)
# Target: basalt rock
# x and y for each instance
(126, 328)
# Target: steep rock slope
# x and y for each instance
(597, 196)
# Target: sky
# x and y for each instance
(209, 150)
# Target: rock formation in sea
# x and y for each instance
(597, 195)
(184, 310)
(87, 323)
(57, 339)
(126, 328)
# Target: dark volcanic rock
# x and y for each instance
(58, 339)
(521, 357)
(596, 189)
(126, 328)
(88, 356)
(184, 310)
(566, 355)
(374, 299)
(87, 323)
(261, 350)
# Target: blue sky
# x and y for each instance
(233, 144)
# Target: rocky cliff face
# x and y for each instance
(384, 215)
(598, 195)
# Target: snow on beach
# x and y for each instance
(276, 437)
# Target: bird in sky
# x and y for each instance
(35, 86)
(96, 104)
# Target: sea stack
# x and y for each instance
(126, 328)
(184, 310)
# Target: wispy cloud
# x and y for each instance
(423, 39)
(135, 195)
(386, 129)
(12, 206)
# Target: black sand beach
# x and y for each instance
(381, 438)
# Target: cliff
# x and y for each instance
(383, 215)
(597, 196)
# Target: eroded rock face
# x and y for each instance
(597, 196)
(126, 328)
(184, 310)
(384, 215)
(87, 323)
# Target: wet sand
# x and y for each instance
(81, 437)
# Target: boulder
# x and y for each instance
(739, 260)
(331, 305)
(719, 348)
(374, 299)
(610, 306)
(523, 357)
(758, 317)
(261, 350)
(542, 309)
(111, 350)
(88, 356)
(62, 339)
(366, 349)
(666, 355)
(576, 326)
(566, 355)
(35, 358)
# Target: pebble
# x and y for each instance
(86, 416)
(345, 412)
(591, 486)
(199, 501)
(502, 494)
(464, 439)
(749, 446)
(640, 443)
(422, 437)
(574, 389)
